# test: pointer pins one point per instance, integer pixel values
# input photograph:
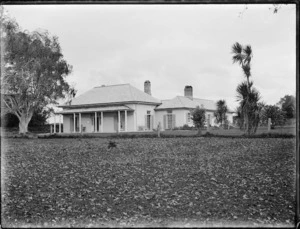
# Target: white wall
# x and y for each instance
(86, 121)
(230, 117)
(180, 116)
(109, 122)
(139, 114)
(68, 128)
(130, 121)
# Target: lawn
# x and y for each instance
(148, 182)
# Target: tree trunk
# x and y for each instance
(23, 124)
(199, 132)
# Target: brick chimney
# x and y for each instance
(188, 92)
(147, 87)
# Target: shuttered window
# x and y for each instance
(149, 122)
(188, 117)
(169, 121)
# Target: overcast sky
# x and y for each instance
(172, 46)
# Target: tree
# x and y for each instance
(221, 111)
(198, 117)
(247, 95)
(275, 113)
(288, 105)
(33, 71)
(39, 118)
(249, 107)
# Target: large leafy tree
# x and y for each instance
(39, 118)
(198, 117)
(275, 113)
(33, 71)
(221, 111)
(288, 105)
(248, 96)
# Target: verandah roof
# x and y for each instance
(94, 109)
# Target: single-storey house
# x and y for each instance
(124, 108)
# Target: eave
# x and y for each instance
(107, 104)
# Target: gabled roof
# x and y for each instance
(114, 94)
(185, 102)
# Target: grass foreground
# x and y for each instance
(98, 182)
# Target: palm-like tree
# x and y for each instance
(222, 109)
(242, 56)
(247, 95)
(249, 109)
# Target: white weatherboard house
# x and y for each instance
(124, 108)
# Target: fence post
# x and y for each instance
(158, 130)
(208, 127)
(269, 124)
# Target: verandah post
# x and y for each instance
(101, 122)
(60, 124)
(119, 123)
(54, 123)
(80, 129)
(126, 120)
(95, 122)
(74, 129)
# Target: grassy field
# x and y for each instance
(148, 182)
(285, 130)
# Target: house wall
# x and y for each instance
(86, 122)
(180, 117)
(110, 122)
(68, 128)
(138, 116)
(130, 121)
(230, 117)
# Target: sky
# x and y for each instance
(172, 46)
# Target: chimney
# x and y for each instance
(147, 87)
(188, 92)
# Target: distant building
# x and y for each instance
(124, 108)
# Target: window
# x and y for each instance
(169, 111)
(189, 119)
(169, 121)
(148, 112)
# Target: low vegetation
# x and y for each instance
(151, 182)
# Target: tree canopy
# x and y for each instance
(33, 71)
(198, 117)
(275, 113)
(221, 111)
(288, 105)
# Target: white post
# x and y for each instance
(74, 130)
(119, 123)
(126, 120)
(208, 128)
(269, 124)
(54, 123)
(59, 123)
(134, 120)
(50, 128)
(95, 122)
(101, 122)
(80, 129)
